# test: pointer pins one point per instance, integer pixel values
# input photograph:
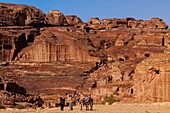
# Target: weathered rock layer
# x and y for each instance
(55, 54)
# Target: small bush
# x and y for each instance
(111, 61)
(110, 100)
(2, 107)
(142, 31)
(19, 107)
(9, 10)
(34, 107)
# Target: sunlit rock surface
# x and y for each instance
(56, 54)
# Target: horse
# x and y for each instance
(88, 102)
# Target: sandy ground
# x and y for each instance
(115, 108)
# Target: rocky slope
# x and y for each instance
(54, 54)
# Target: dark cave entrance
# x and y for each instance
(163, 41)
(21, 17)
(131, 91)
(147, 55)
(1, 86)
(20, 43)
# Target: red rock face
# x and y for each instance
(20, 15)
(154, 23)
(73, 19)
(64, 55)
(152, 77)
(55, 17)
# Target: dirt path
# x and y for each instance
(116, 108)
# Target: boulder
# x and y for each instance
(94, 21)
(73, 19)
(55, 17)
(154, 23)
(160, 24)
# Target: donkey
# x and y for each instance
(88, 102)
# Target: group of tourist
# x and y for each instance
(87, 101)
(62, 103)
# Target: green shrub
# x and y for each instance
(142, 31)
(9, 10)
(34, 107)
(111, 61)
(19, 107)
(110, 100)
(2, 107)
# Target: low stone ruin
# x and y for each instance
(13, 95)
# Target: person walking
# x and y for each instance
(62, 102)
(70, 103)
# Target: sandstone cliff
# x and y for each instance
(57, 54)
(152, 79)
(20, 15)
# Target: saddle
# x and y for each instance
(86, 99)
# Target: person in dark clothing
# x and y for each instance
(62, 103)
(40, 102)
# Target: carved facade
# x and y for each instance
(152, 80)
(50, 52)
